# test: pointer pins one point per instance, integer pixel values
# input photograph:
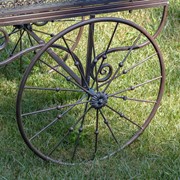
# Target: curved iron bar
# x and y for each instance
(20, 54)
(61, 61)
(105, 69)
(109, 72)
(102, 66)
(160, 28)
(5, 35)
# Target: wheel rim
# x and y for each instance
(96, 115)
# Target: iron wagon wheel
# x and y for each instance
(100, 100)
(25, 36)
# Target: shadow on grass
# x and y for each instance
(154, 155)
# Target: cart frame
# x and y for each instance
(23, 16)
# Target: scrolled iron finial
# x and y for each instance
(105, 71)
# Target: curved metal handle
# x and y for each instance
(160, 28)
(6, 39)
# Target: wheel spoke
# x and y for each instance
(79, 133)
(96, 131)
(125, 98)
(12, 32)
(130, 50)
(122, 62)
(42, 32)
(21, 48)
(54, 121)
(43, 129)
(39, 111)
(129, 69)
(141, 62)
(15, 30)
(53, 108)
(18, 41)
(104, 57)
(21, 32)
(131, 88)
(53, 89)
(70, 40)
(111, 39)
(71, 129)
(30, 39)
(109, 127)
(124, 117)
(77, 64)
(66, 77)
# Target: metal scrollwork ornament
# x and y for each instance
(105, 71)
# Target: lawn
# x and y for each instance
(154, 155)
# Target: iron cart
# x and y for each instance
(91, 89)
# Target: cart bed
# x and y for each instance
(15, 12)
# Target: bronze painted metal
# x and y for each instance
(88, 108)
(45, 13)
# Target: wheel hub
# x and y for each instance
(99, 100)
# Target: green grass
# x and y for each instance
(155, 155)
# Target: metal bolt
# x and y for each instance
(124, 71)
(80, 129)
(71, 129)
(104, 56)
(58, 89)
(76, 63)
(68, 78)
(96, 132)
(121, 64)
(59, 116)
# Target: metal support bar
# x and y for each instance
(89, 49)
